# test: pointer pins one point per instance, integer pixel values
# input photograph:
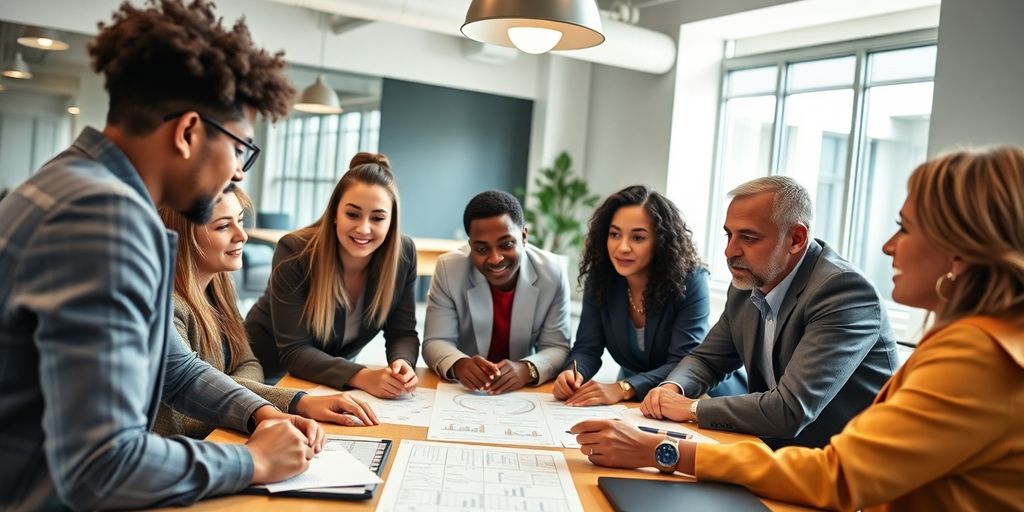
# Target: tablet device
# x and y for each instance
(637, 495)
(370, 451)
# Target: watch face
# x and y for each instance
(666, 454)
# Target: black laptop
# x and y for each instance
(636, 495)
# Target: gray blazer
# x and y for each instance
(834, 350)
(246, 370)
(87, 351)
(275, 325)
(460, 312)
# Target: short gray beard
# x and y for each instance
(776, 264)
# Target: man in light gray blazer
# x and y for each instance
(498, 309)
(810, 330)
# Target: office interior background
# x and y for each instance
(691, 97)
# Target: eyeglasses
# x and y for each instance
(249, 153)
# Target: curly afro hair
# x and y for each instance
(171, 56)
(674, 254)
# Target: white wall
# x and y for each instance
(559, 86)
(374, 49)
(978, 93)
(631, 112)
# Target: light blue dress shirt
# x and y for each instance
(768, 305)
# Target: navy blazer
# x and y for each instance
(670, 332)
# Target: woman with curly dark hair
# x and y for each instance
(645, 298)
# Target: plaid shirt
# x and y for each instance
(87, 350)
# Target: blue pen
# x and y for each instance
(669, 433)
(652, 430)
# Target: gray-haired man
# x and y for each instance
(810, 330)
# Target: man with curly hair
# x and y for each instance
(87, 350)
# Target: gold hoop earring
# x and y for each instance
(938, 284)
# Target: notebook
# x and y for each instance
(370, 451)
(636, 495)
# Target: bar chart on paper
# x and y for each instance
(436, 477)
(467, 416)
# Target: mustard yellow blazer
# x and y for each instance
(945, 433)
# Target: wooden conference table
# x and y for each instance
(427, 249)
(584, 473)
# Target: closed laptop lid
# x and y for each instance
(637, 495)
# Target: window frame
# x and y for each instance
(853, 201)
(285, 173)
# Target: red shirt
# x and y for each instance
(502, 324)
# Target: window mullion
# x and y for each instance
(777, 125)
(851, 191)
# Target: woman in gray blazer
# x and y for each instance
(338, 282)
(645, 299)
(206, 318)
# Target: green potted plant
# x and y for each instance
(554, 218)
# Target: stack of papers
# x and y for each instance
(332, 467)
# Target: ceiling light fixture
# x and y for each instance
(319, 98)
(17, 68)
(535, 26)
(42, 39)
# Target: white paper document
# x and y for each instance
(637, 418)
(437, 477)
(470, 416)
(332, 467)
(409, 409)
(562, 417)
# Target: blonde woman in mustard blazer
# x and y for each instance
(947, 431)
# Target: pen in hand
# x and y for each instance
(576, 377)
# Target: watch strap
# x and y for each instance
(534, 373)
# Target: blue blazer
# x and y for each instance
(670, 332)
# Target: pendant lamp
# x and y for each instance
(319, 98)
(17, 68)
(535, 26)
(42, 39)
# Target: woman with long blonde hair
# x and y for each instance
(337, 283)
(207, 319)
(947, 431)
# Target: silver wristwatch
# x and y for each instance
(693, 410)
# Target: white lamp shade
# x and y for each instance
(42, 39)
(17, 68)
(319, 98)
(579, 21)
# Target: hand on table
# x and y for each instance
(596, 393)
(340, 408)
(566, 384)
(615, 443)
(666, 402)
(282, 444)
(476, 373)
(386, 382)
(512, 376)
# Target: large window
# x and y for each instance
(848, 121)
(308, 155)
